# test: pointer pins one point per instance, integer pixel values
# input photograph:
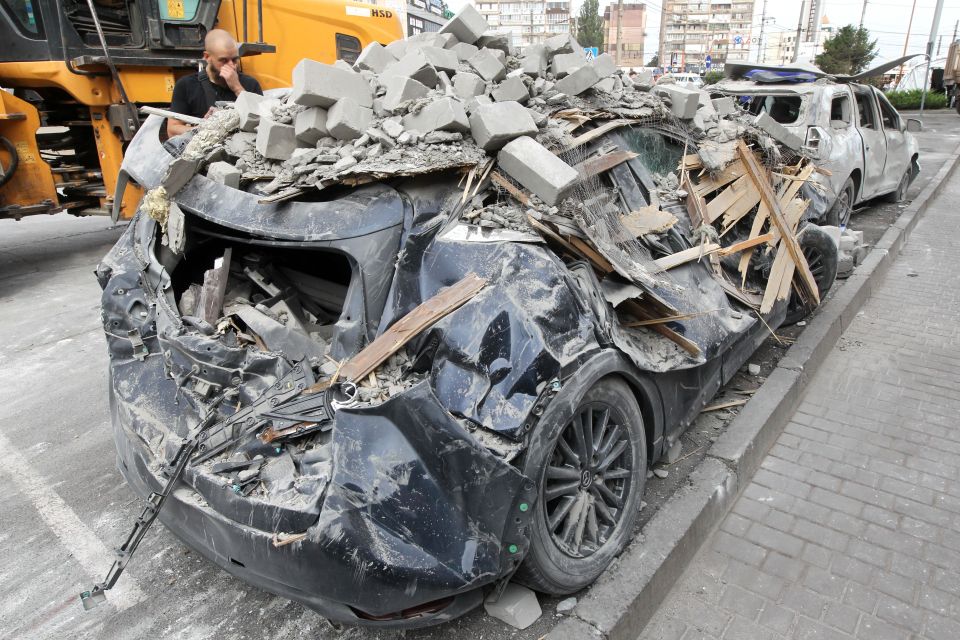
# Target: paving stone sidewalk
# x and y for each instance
(851, 528)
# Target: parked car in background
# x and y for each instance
(692, 80)
(850, 129)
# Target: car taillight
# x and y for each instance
(814, 136)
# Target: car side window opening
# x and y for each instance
(889, 115)
(840, 110)
(868, 119)
(783, 109)
(348, 48)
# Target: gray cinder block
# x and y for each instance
(416, 66)
(566, 63)
(683, 102)
(466, 85)
(445, 114)
(441, 59)
(224, 173)
(274, 140)
(464, 50)
(605, 65)
(536, 168)
(578, 81)
(397, 48)
(347, 120)
(517, 606)
(400, 89)
(374, 57)
(724, 106)
(511, 89)
(778, 132)
(248, 107)
(487, 66)
(534, 61)
(494, 125)
(467, 24)
(563, 43)
(495, 40)
(311, 125)
(320, 85)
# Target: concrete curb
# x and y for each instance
(620, 604)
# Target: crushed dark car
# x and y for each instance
(404, 387)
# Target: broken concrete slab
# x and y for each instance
(511, 89)
(397, 48)
(224, 173)
(416, 66)
(274, 140)
(605, 65)
(401, 89)
(536, 168)
(468, 24)
(495, 40)
(392, 127)
(517, 606)
(310, 125)
(466, 85)
(475, 102)
(534, 62)
(433, 39)
(347, 120)
(441, 59)
(563, 43)
(566, 63)
(683, 102)
(777, 131)
(578, 81)
(247, 105)
(374, 57)
(608, 85)
(445, 114)
(488, 66)
(320, 85)
(724, 106)
(494, 125)
(179, 173)
(464, 51)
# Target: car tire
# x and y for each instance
(821, 254)
(900, 193)
(577, 529)
(839, 213)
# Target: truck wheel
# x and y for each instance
(840, 211)
(591, 468)
(900, 193)
(821, 254)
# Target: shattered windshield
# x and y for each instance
(659, 153)
(783, 109)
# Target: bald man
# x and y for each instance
(195, 94)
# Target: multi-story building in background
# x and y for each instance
(528, 21)
(695, 32)
(416, 16)
(633, 32)
(779, 46)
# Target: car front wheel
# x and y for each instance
(821, 254)
(900, 193)
(591, 468)
(839, 213)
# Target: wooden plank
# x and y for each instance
(598, 261)
(593, 134)
(650, 219)
(746, 297)
(598, 164)
(743, 245)
(690, 161)
(411, 325)
(781, 272)
(727, 198)
(641, 312)
(497, 178)
(696, 205)
(685, 256)
(731, 172)
(550, 235)
(808, 283)
(724, 405)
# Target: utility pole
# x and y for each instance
(933, 34)
(796, 43)
(863, 14)
(763, 26)
(906, 40)
(619, 30)
(939, 42)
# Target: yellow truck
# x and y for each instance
(74, 72)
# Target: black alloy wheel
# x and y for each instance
(822, 258)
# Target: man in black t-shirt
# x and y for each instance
(195, 94)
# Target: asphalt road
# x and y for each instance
(65, 506)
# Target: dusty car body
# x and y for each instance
(402, 509)
(850, 129)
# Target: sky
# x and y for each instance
(886, 19)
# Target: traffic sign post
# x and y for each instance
(591, 52)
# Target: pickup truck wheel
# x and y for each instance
(840, 211)
(900, 193)
(591, 468)
(821, 255)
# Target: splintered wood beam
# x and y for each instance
(769, 198)
(593, 134)
(709, 184)
(696, 205)
(498, 179)
(641, 312)
(409, 326)
(743, 245)
(649, 219)
(598, 164)
(741, 188)
(598, 261)
(551, 236)
(685, 256)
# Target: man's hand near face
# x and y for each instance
(228, 72)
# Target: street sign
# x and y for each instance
(591, 52)
(737, 39)
(708, 60)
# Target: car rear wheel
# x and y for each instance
(900, 193)
(840, 211)
(821, 254)
(591, 468)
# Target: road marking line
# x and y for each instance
(82, 543)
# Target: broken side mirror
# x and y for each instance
(914, 125)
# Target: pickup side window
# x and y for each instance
(889, 115)
(868, 117)
(783, 109)
(840, 110)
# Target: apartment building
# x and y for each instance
(633, 32)
(691, 31)
(528, 22)
(779, 46)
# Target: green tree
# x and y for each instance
(847, 52)
(589, 25)
(712, 77)
(654, 61)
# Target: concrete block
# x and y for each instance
(724, 106)
(778, 132)
(374, 57)
(397, 48)
(683, 102)
(499, 55)
(563, 43)
(224, 173)
(487, 66)
(400, 89)
(248, 107)
(445, 114)
(833, 232)
(566, 63)
(608, 85)
(578, 81)
(536, 168)
(179, 173)
(464, 50)
(392, 127)
(472, 104)
(320, 85)
(343, 64)
(466, 85)
(311, 125)
(441, 59)
(416, 66)
(511, 89)
(275, 141)
(534, 61)
(495, 40)
(432, 39)
(517, 606)
(605, 65)
(467, 25)
(494, 125)
(347, 120)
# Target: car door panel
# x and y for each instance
(898, 158)
(874, 143)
